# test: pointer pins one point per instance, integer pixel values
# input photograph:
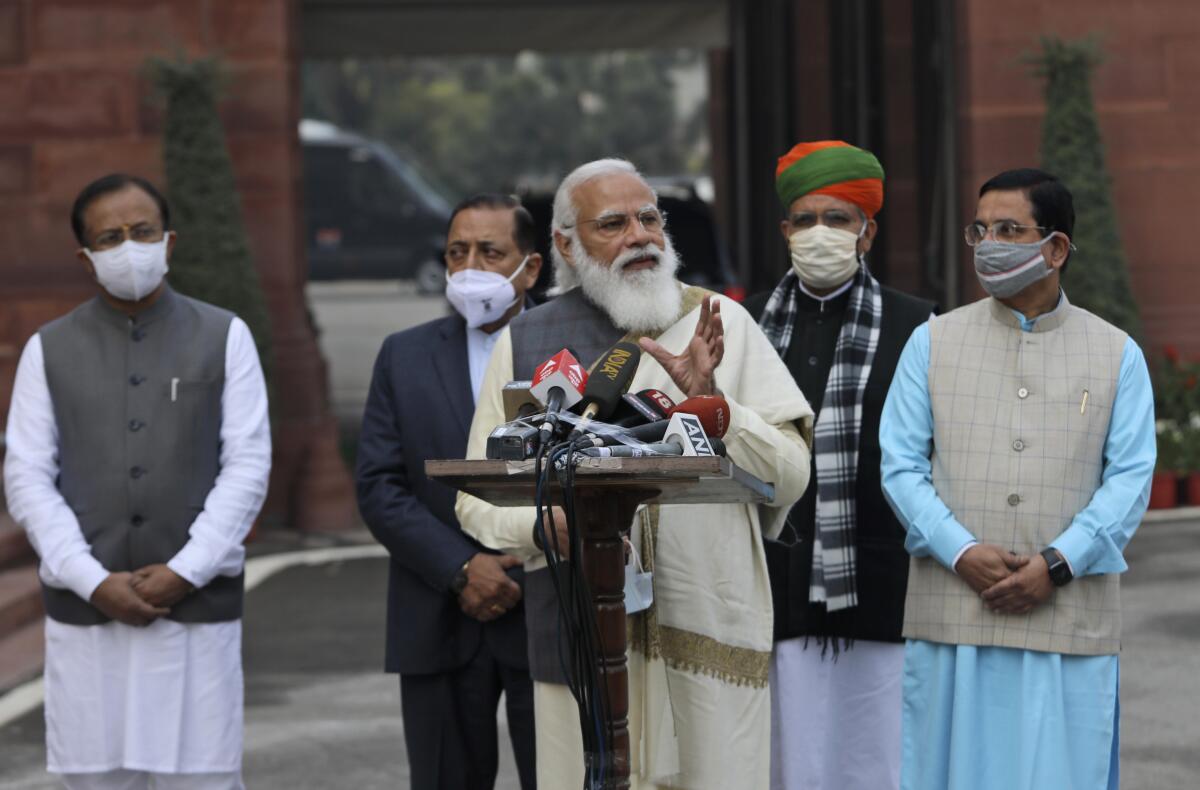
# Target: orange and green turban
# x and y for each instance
(834, 168)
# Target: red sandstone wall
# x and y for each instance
(1149, 106)
(901, 218)
(73, 106)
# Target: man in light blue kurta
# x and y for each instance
(1018, 445)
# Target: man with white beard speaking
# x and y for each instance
(699, 712)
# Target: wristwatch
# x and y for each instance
(1060, 571)
(459, 582)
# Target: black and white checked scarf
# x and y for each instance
(835, 437)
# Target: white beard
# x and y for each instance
(648, 300)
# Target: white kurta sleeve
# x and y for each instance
(765, 408)
(30, 475)
(507, 529)
(214, 545)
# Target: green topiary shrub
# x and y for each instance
(211, 260)
(1097, 278)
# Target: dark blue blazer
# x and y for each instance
(420, 407)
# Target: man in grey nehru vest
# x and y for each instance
(138, 454)
(1018, 445)
(699, 712)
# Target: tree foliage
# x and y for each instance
(487, 123)
(1097, 278)
(211, 260)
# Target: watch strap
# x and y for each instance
(1056, 564)
(459, 582)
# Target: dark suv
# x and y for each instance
(369, 213)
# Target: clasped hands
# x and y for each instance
(142, 596)
(1008, 583)
(489, 593)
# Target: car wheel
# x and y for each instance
(431, 277)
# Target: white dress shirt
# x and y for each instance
(479, 351)
(166, 698)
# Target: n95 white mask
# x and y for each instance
(131, 270)
(824, 257)
(482, 297)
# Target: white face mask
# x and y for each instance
(824, 257)
(482, 297)
(131, 270)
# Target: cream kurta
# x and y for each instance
(702, 694)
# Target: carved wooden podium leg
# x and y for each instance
(602, 515)
(606, 497)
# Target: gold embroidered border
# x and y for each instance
(687, 650)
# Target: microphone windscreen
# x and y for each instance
(656, 404)
(713, 411)
(610, 378)
(637, 408)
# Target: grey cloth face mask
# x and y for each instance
(1005, 269)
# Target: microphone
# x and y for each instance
(518, 402)
(610, 379)
(646, 450)
(649, 405)
(711, 410)
(684, 437)
(558, 383)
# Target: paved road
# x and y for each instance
(321, 715)
(1160, 659)
(353, 317)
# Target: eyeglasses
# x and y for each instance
(1001, 230)
(613, 225)
(143, 232)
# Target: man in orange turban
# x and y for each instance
(839, 570)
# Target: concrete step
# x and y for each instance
(22, 653)
(14, 546)
(20, 599)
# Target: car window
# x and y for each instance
(326, 189)
(374, 188)
(417, 183)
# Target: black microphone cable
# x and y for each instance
(575, 616)
(579, 655)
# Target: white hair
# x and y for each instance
(566, 213)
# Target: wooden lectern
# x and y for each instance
(607, 492)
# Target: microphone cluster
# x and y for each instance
(597, 416)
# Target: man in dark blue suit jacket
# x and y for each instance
(456, 624)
